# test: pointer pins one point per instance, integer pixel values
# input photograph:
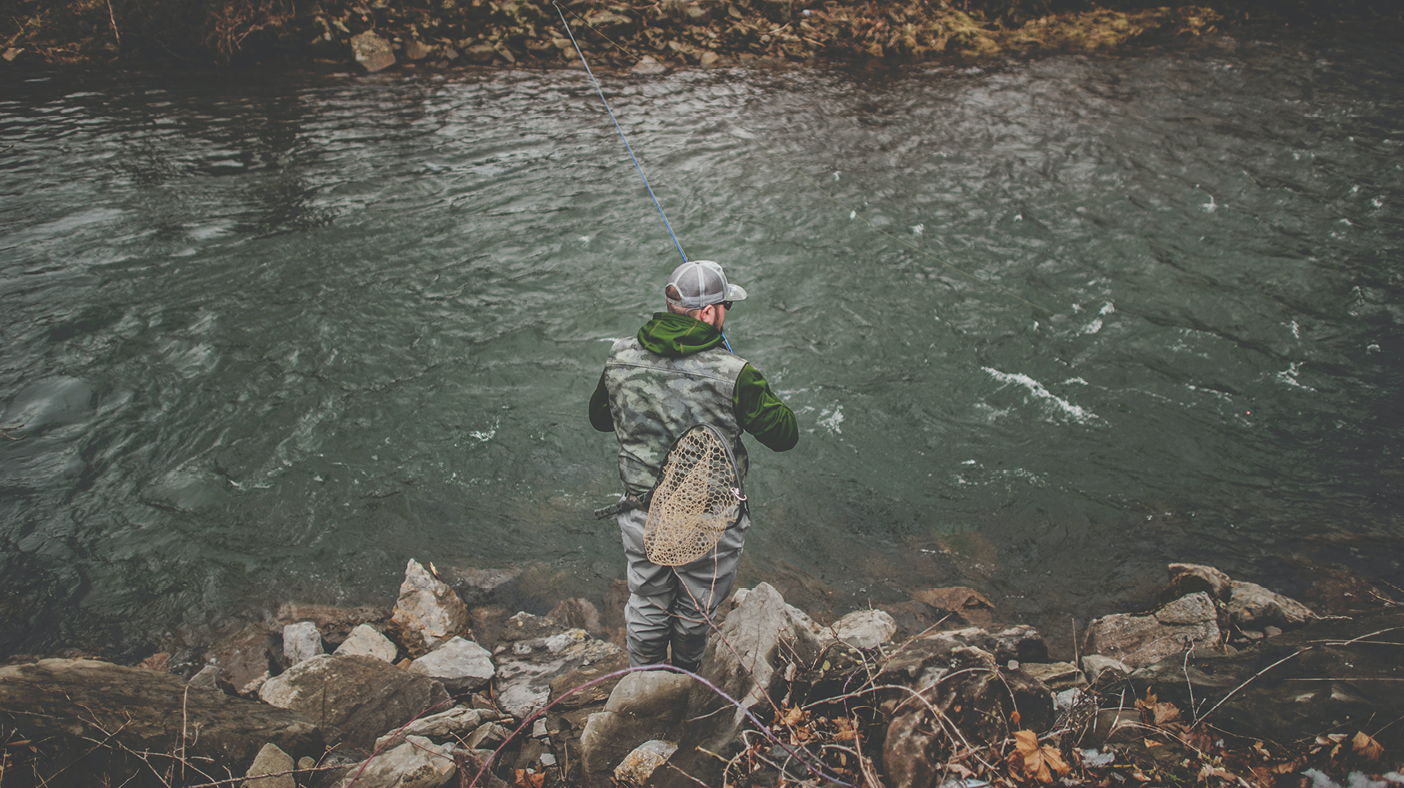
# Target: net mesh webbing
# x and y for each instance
(696, 500)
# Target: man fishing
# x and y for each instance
(673, 375)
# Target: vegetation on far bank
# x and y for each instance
(448, 33)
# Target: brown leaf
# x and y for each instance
(1014, 718)
(1366, 747)
(792, 716)
(1031, 757)
(1055, 761)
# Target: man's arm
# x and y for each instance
(761, 413)
(600, 417)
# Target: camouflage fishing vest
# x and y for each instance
(655, 399)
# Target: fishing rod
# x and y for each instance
(628, 147)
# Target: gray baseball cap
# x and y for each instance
(700, 283)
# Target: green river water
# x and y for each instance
(265, 336)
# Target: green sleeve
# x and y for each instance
(762, 414)
(600, 417)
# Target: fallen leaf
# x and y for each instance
(1366, 747)
(1054, 760)
(1014, 718)
(792, 716)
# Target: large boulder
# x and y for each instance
(644, 706)
(88, 717)
(460, 665)
(747, 659)
(245, 658)
(1190, 622)
(428, 612)
(354, 699)
(533, 651)
(956, 695)
(1251, 606)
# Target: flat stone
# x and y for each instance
(451, 725)
(428, 612)
(460, 665)
(865, 628)
(1056, 675)
(64, 706)
(639, 765)
(366, 641)
(372, 52)
(356, 699)
(534, 651)
(206, 679)
(272, 768)
(1139, 640)
(418, 763)
(487, 737)
(1095, 666)
(301, 642)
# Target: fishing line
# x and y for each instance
(637, 166)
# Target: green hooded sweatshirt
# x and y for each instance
(758, 410)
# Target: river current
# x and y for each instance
(1047, 326)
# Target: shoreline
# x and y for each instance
(450, 35)
(1220, 680)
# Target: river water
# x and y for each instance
(266, 336)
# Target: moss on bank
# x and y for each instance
(448, 33)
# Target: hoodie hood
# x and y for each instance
(674, 336)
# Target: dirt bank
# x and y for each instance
(453, 33)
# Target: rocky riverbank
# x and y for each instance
(1222, 682)
(447, 34)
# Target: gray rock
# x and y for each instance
(1018, 643)
(643, 706)
(460, 665)
(487, 737)
(1271, 631)
(1138, 640)
(865, 628)
(417, 51)
(301, 642)
(756, 644)
(1188, 579)
(428, 612)
(272, 768)
(418, 763)
(372, 52)
(355, 698)
(64, 706)
(481, 54)
(526, 666)
(1253, 607)
(366, 641)
(451, 725)
(1096, 666)
(640, 764)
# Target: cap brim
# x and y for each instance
(735, 293)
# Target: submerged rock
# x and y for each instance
(1188, 622)
(1251, 606)
(534, 651)
(1188, 579)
